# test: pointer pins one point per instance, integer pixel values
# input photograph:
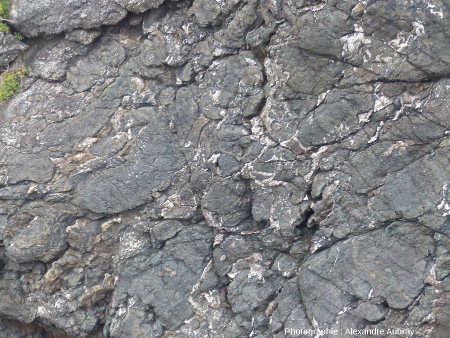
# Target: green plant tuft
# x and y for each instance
(10, 82)
(19, 36)
(4, 8)
(4, 27)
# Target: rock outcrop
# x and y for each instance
(239, 168)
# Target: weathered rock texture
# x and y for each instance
(225, 168)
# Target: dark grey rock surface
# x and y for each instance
(233, 168)
(10, 47)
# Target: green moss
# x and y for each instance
(10, 82)
(4, 8)
(4, 27)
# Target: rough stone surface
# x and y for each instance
(139, 6)
(225, 168)
(10, 47)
